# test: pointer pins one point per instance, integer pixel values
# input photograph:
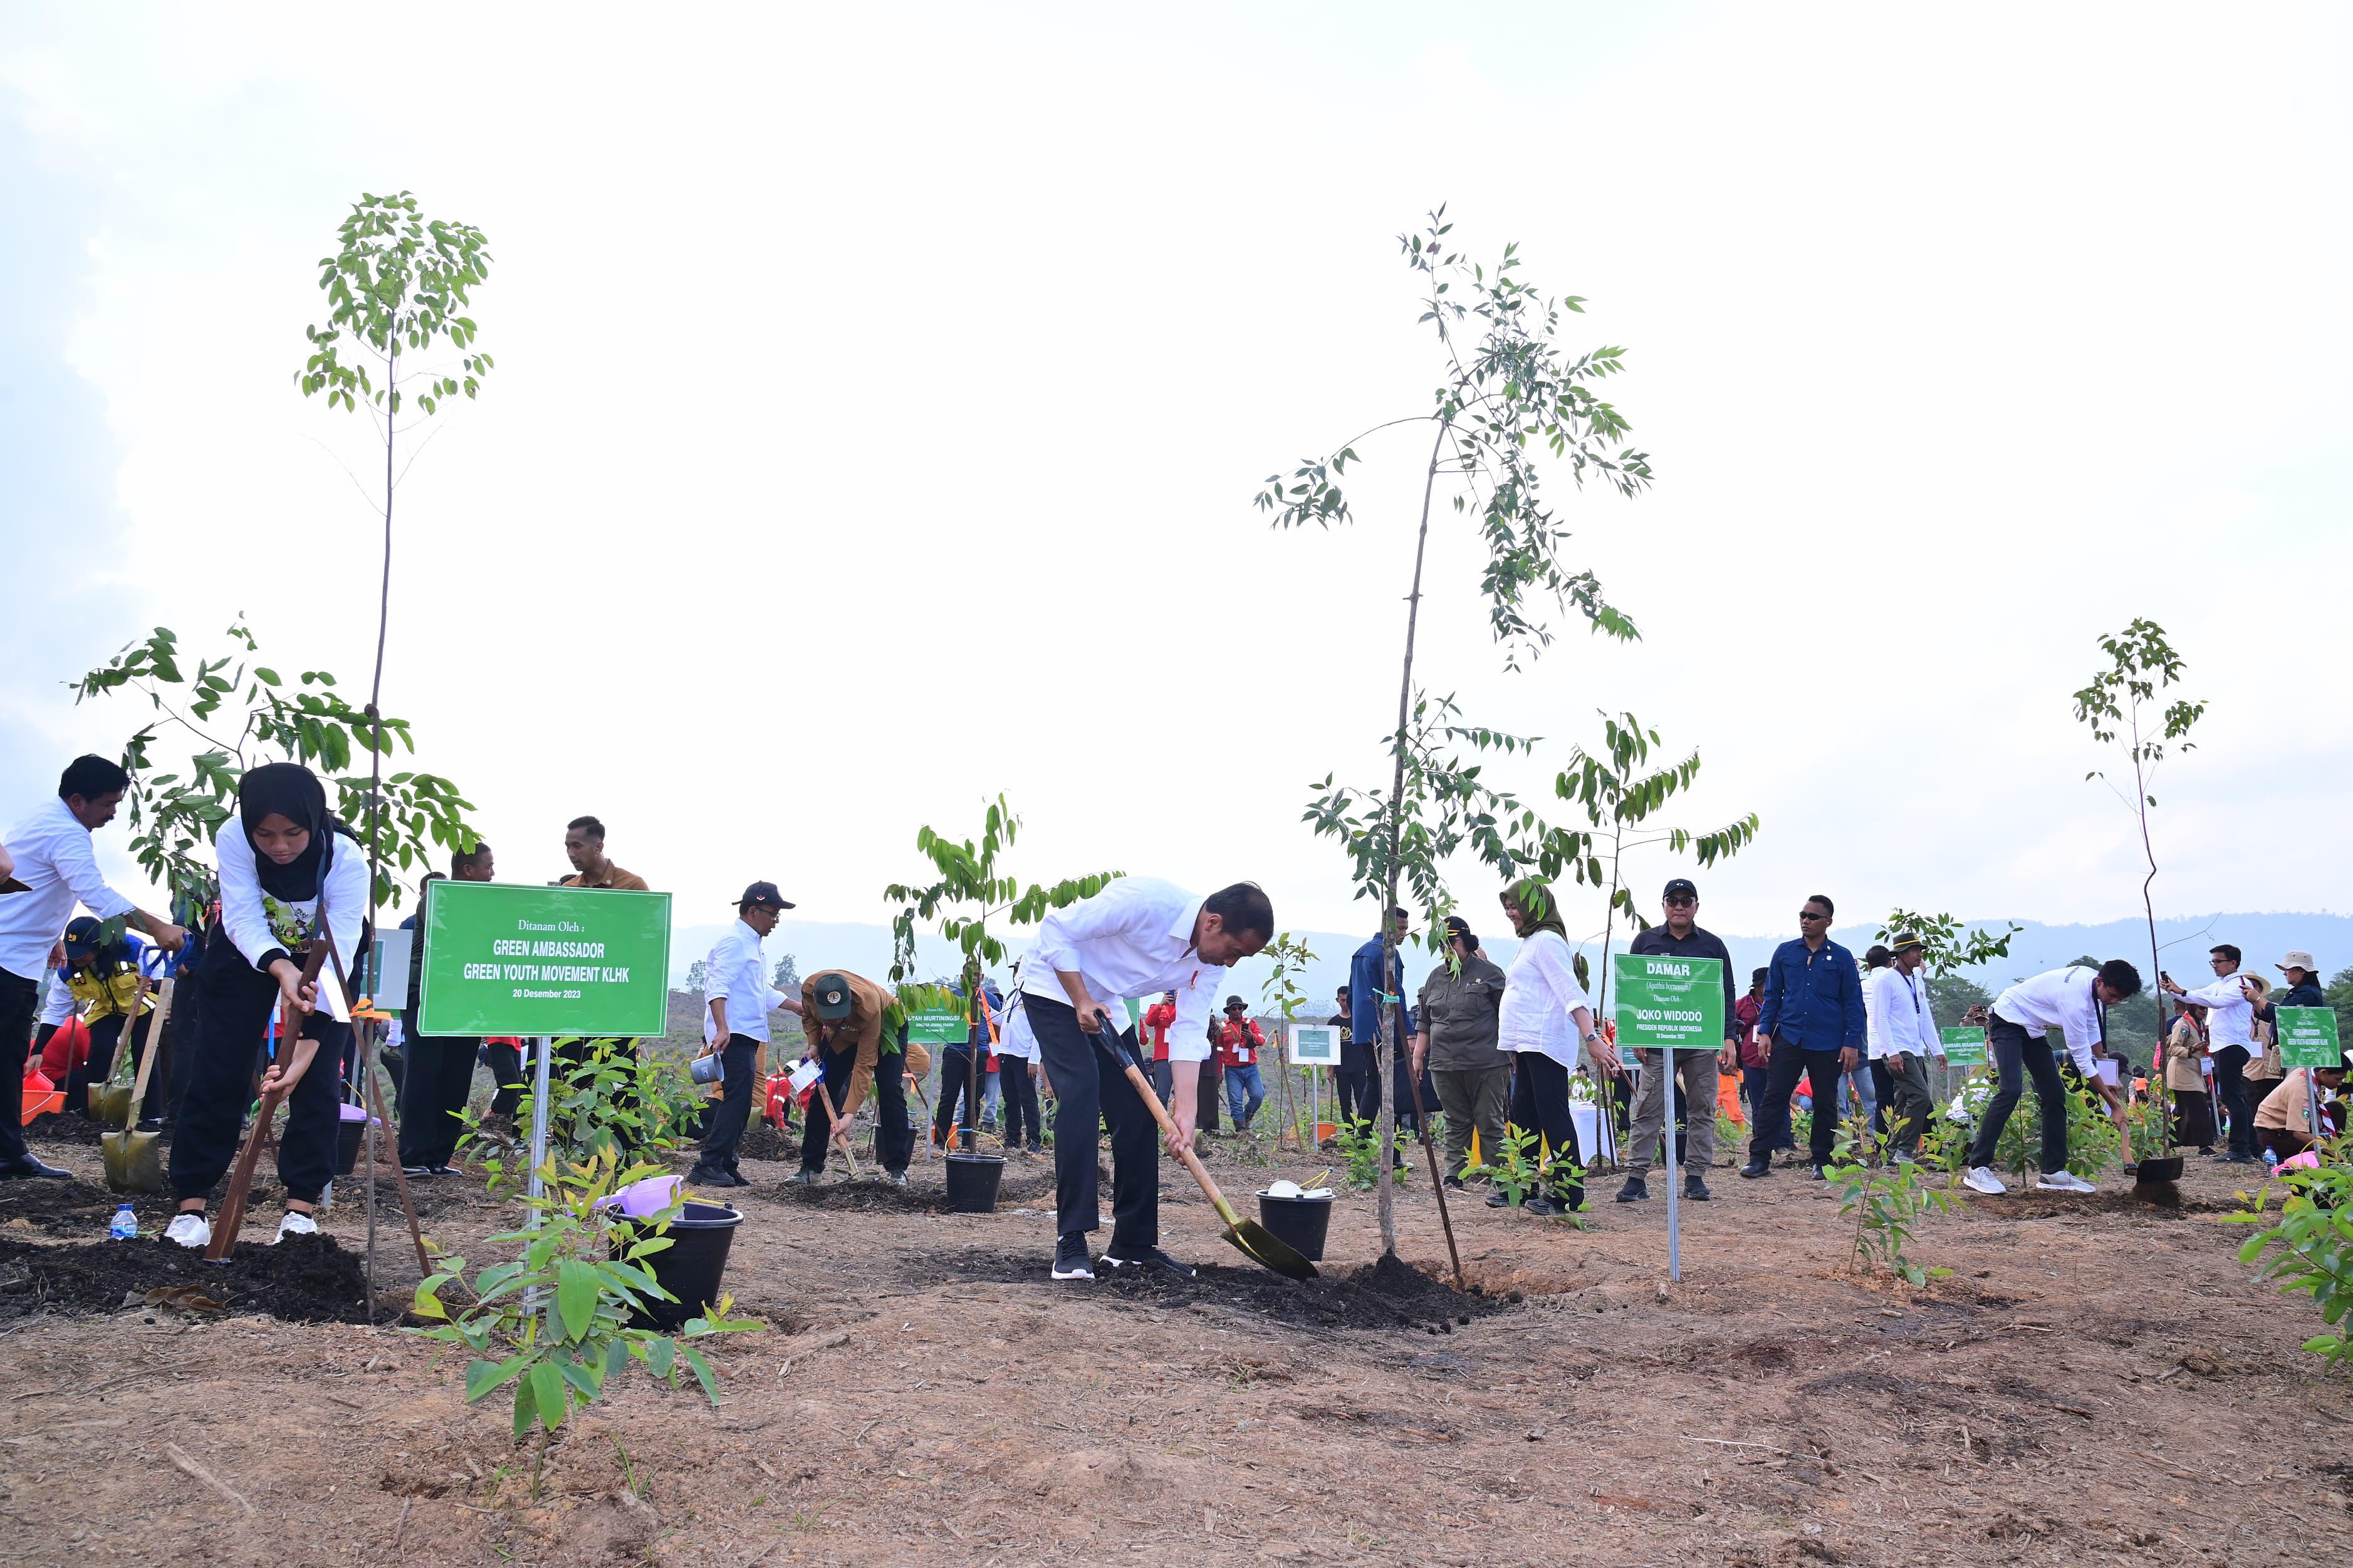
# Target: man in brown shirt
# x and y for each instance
(845, 1016)
(584, 843)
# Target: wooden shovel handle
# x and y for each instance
(835, 1131)
(1192, 1162)
(147, 1057)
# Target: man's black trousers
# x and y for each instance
(1790, 1062)
(434, 1086)
(2016, 1055)
(955, 1086)
(1019, 1081)
(19, 1000)
(1087, 1085)
(894, 1142)
(735, 1108)
(2230, 1093)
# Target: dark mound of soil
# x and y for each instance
(60, 1128)
(836, 1193)
(762, 1142)
(303, 1280)
(1391, 1296)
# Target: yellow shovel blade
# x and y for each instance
(134, 1161)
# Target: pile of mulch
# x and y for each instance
(302, 1279)
(1391, 1296)
(72, 1206)
(58, 1127)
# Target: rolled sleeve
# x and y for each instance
(76, 863)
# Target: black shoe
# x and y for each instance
(416, 1172)
(1755, 1169)
(1070, 1259)
(803, 1178)
(1821, 1174)
(701, 1177)
(1037, 1148)
(1696, 1189)
(1499, 1199)
(30, 1165)
(445, 1170)
(1150, 1260)
(1458, 1184)
(1634, 1192)
(1537, 1204)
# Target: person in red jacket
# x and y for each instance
(1240, 1040)
(1157, 1020)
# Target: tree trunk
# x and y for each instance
(1385, 1131)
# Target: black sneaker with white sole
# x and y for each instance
(1071, 1259)
(1150, 1260)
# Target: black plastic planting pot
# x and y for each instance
(972, 1182)
(692, 1266)
(1300, 1222)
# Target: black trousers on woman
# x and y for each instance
(1020, 1082)
(1540, 1101)
(237, 1002)
(435, 1084)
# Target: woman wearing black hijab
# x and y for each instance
(284, 867)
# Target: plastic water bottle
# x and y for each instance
(125, 1226)
(2270, 1157)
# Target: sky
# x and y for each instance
(880, 394)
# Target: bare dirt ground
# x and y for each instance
(2097, 1382)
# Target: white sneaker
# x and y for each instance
(1981, 1179)
(189, 1230)
(2063, 1182)
(297, 1224)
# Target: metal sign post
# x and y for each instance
(1663, 1004)
(543, 1075)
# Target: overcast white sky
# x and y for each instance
(881, 391)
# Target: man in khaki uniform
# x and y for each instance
(844, 1016)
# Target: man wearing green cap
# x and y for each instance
(846, 1016)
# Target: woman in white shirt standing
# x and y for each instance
(285, 866)
(1546, 1018)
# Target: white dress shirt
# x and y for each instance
(57, 999)
(737, 973)
(2063, 1000)
(60, 869)
(1132, 941)
(1900, 1016)
(1540, 990)
(2229, 1017)
(257, 922)
(1014, 1036)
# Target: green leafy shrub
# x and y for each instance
(2091, 1136)
(555, 1321)
(1360, 1147)
(603, 1096)
(1887, 1198)
(2313, 1240)
(1514, 1171)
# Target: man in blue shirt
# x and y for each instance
(1812, 1023)
(1369, 978)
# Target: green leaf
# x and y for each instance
(576, 1296)
(481, 1376)
(701, 1371)
(547, 1387)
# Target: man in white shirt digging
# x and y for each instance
(1137, 938)
(2075, 1001)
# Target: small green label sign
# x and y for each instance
(2307, 1038)
(938, 1028)
(1964, 1047)
(1667, 1004)
(505, 959)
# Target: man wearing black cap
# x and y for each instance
(843, 1015)
(1680, 937)
(736, 992)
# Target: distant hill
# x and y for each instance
(866, 949)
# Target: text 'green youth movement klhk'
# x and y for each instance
(502, 959)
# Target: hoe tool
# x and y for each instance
(135, 1160)
(295, 1049)
(1256, 1242)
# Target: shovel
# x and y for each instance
(295, 1049)
(1256, 1242)
(135, 1160)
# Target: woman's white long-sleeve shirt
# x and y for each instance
(260, 925)
(1540, 991)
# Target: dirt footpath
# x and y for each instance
(2096, 1382)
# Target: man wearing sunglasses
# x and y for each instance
(2231, 1031)
(1813, 1025)
(1682, 937)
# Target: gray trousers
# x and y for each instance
(1474, 1096)
(1909, 1116)
(1698, 1071)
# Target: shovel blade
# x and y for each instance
(134, 1162)
(1263, 1246)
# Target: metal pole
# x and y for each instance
(541, 1076)
(1674, 1166)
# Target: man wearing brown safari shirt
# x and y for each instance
(583, 844)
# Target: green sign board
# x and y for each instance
(938, 1028)
(1664, 1002)
(2307, 1038)
(1964, 1047)
(501, 958)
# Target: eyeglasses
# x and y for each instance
(2218, 963)
(1809, 915)
(1682, 902)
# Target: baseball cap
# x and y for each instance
(833, 1001)
(2296, 958)
(81, 936)
(764, 894)
(1457, 926)
(1680, 888)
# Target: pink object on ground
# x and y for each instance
(643, 1200)
(2307, 1161)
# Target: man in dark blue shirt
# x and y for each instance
(1812, 1024)
(1370, 978)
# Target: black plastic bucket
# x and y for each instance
(2151, 1172)
(347, 1144)
(972, 1182)
(692, 1266)
(1300, 1222)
